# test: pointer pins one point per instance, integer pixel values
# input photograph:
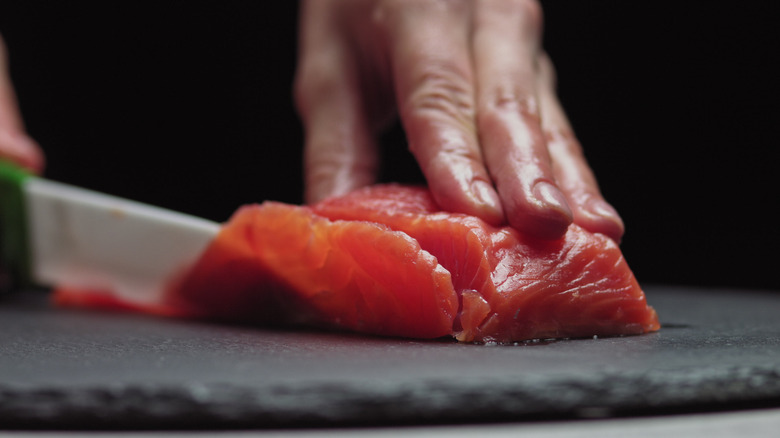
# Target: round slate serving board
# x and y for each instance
(718, 349)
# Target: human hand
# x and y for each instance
(15, 145)
(475, 94)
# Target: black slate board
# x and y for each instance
(718, 349)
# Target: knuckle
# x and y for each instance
(530, 12)
(316, 80)
(509, 99)
(452, 155)
(390, 12)
(325, 155)
(460, 156)
(393, 16)
(440, 91)
(395, 9)
(331, 164)
(563, 143)
(527, 13)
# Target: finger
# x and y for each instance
(571, 169)
(339, 150)
(506, 43)
(15, 145)
(21, 149)
(431, 66)
(10, 118)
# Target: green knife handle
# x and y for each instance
(14, 250)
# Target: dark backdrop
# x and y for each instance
(186, 104)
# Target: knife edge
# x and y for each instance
(79, 238)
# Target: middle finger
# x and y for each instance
(506, 43)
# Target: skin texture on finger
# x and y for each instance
(15, 145)
(340, 153)
(431, 65)
(571, 170)
(9, 115)
(505, 45)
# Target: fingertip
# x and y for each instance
(542, 213)
(598, 216)
(22, 150)
(487, 204)
(316, 192)
(551, 227)
(474, 197)
(550, 200)
(34, 158)
(336, 176)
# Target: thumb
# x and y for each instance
(15, 145)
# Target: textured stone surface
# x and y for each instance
(719, 349)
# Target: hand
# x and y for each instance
(15, 145)
(475, 94)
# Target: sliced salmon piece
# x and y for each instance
(276, 263)
(385, 260)
(512, 287)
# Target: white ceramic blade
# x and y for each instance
(84, 239)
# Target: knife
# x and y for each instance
(55, 234)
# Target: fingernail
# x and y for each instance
(603, 210)
(485, 193)
(599, 207)
(551, 197)
(487, 196)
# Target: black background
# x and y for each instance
(186, 104)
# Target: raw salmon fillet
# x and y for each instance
(386, 260)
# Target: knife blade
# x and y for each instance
(55, 234)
